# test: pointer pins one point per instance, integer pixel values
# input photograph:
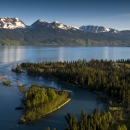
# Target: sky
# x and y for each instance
(109, 13)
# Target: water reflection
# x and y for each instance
(10, 54)
(61, 53)
(106, 53)
(114, 53)
(39, 54)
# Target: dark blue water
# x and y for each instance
(82, 99)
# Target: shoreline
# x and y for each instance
(22, 119)
(73, 85)
(58, 107)
(61, 104)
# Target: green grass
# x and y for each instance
(7, 83)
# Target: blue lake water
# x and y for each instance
(82, 99)
(37, 54)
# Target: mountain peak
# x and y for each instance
(11, 23)
(17, 18)
(56, 22)
(39, 23)
(40, 20)
(96, 29)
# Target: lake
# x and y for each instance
(82, 99)
(38, 53)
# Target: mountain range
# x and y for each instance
(14, 32)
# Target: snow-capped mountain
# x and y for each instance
(97, 29)
(39, 23)
(11, 23)
(56, 33)
(55, 24)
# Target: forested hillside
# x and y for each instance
(59, 37)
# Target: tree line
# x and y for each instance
(96, 121)
(110, 78)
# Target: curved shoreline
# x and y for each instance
(22, 119)
(58, 107)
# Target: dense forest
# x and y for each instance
(96, 121)
(111, 79)
(58, 37)
(40, 101)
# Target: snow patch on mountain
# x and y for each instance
(40, 20)
(11, 23)
(55, 24)
(94, 29)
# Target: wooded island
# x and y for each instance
(40, 101)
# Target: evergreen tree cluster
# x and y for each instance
(96, 121)
(17, 69)
(40, 101)
(37, 95)
(104, 76)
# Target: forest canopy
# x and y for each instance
(110, 78)
(40, 101)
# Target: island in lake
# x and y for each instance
(40, 101)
